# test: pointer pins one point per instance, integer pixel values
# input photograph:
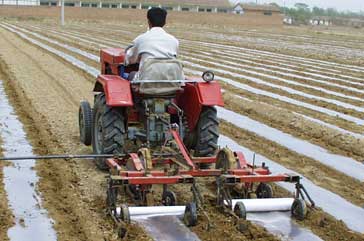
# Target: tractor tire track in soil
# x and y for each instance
(75, 189)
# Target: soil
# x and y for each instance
(6, 217)
(73, 190)
(46, 92)
(322, 224)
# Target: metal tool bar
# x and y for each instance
(87, 156)
(47, 157)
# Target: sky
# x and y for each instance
(342, 5)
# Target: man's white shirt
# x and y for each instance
(155, 43)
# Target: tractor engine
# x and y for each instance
(156, 120)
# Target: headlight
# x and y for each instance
(208, 76)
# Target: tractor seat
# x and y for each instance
(159, 78)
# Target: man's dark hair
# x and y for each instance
(157, 17)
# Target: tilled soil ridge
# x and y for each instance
(73, 190)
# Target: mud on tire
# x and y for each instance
(207, 134)
(108, 130)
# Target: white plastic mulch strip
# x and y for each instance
(343, 164)
(346, 165)
(336, 206)
(20, 180)
(283, 98)
(77, 37)
(343, 131)
(71, 48)
(330, 202)
(280, 87)
(91, 70)
(323, 73)
(309, 118)
(258, 72)
(279, 56)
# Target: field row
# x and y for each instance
(88, 68)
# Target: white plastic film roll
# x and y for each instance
(265, 204)
(155, 211)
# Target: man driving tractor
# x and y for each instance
(155, 51)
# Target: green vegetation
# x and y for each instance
(302, 13)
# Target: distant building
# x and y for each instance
(321, 20)
(256, 9)
(222, 6)
(288, 20)
(259, 14)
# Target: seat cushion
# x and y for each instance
(162, 71)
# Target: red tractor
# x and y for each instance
(162, 129)
(123, 113)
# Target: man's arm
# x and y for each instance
(132, 53)
(132, 56)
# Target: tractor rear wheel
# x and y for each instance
(207, 134)
(109, 132)
(85, 122)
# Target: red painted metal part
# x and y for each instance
(210, 93)
(261, 178)
(117, 90)
(202, 173)
(138, 165)
(183, 149)
(111, 58)
(189, 102)
(242, 163)
(197, 95)
(160, 177)
(157, 180)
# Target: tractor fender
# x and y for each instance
(197, 95)
(117, 90)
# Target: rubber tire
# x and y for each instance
(169, 198)
(299, 209)
(113, 130)
(207, 134)
(264, 190)
(85, 122)
(240, 210)
(190, 216)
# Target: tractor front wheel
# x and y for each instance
(109, 133)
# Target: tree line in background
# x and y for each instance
(302, 12)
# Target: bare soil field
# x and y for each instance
(316, 97)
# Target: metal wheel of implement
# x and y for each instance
(124, 213)
(207, 134)
(299, 209)
(240, 210)
(85, 122)
(190, 216)
(169, 198)
(108, 130)
(264, 190)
